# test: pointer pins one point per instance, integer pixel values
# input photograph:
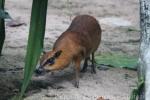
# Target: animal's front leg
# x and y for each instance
(77, 71)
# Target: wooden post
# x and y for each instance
(144, 59)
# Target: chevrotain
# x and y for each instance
(77, 43)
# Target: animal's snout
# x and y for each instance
(39, 71)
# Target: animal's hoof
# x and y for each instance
(93, 71)
(77, 84)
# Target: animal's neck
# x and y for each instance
(62, 61)
(69, 49)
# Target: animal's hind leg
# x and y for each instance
(85, 65)
(93, 70)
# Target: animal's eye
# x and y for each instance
(51, 61)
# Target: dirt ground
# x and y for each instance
(119, 20)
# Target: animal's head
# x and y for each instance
(47, 60)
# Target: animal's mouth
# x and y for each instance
(40, 71)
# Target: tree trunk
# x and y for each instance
(2, 27)
(144, 60)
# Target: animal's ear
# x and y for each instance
(58, 53)
(43, 52)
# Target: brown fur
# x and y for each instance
(81, 39)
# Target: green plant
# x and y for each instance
(4, 14)
(35, 41)
(2, 26)
(131, 29)
(135, 92)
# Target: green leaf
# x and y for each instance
(35, 41)
(2, 27)
(4, 14)
(117, 60)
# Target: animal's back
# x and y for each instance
(84, 31)
(84, 23)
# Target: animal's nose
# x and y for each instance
(39, 71)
